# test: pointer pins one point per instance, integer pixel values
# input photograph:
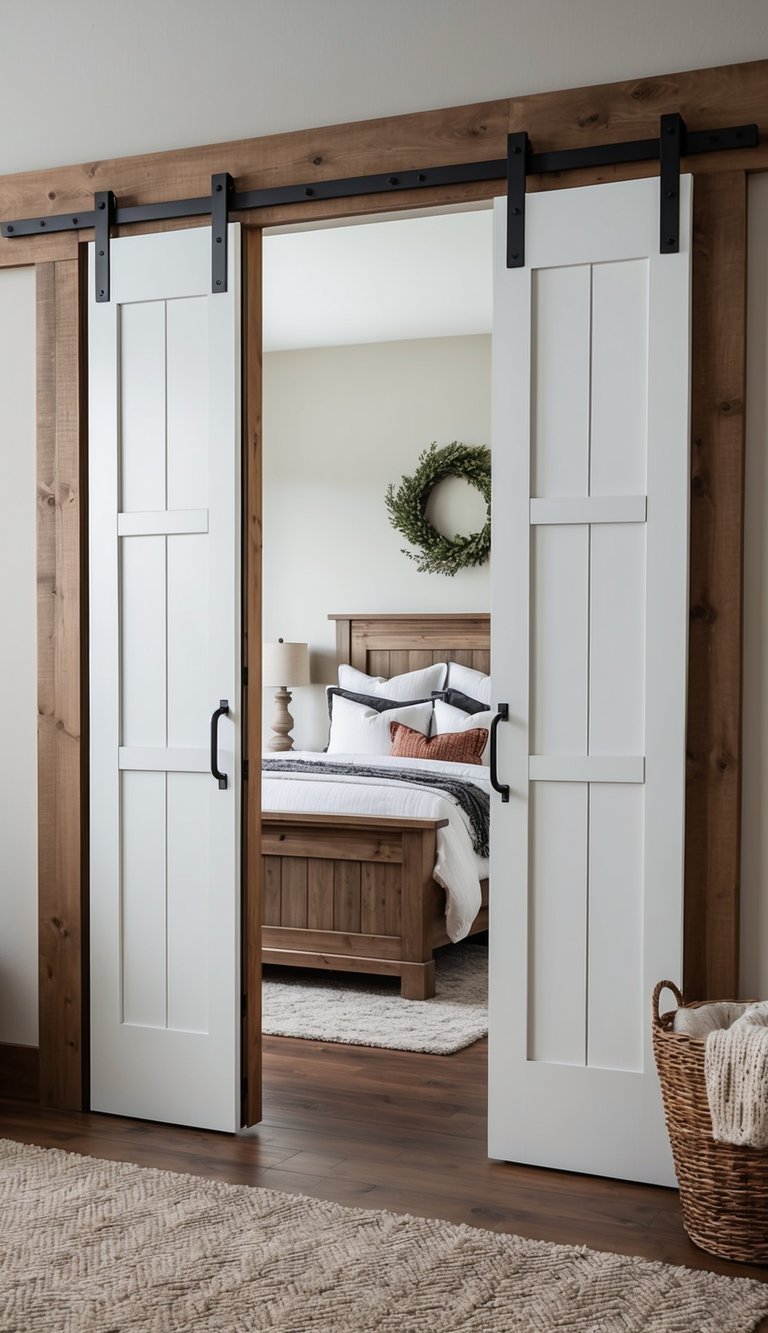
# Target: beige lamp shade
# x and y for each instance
(285, 663)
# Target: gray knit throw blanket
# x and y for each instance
(473, 802)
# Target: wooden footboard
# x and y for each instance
(353, 893)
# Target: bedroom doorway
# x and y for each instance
(591, 340)
(371, 357)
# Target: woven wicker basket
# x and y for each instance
(723, 1188)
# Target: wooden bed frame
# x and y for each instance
(356, 894)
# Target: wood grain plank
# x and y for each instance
(19, 1072)
(343, 639)
(320, 894)
(713, 805)
(272, 883)
(391, 921)
(360, 943)
(373, 900)
(346, 896)
(62, 684)
(252, 695)
(286, 819)
(399, 663)
(344, 843)
(333, 962)
(421, 139)
(294, 904)
(418, 658)
(378, 663)
(630, 109)
(417, 882)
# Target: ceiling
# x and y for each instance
(414, 277)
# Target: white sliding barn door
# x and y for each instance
(590, 605)
(164, 553)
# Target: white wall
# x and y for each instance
(754, 874)
(82, 80)
(340, 423)
(18, 661)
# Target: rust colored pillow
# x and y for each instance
(453, 747)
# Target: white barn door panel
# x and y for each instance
(164, 504)
(590, 605)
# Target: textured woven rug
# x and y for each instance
(364, 1011)
(89, 1246)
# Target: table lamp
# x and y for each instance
(283, 664)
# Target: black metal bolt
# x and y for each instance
(218, 282)
(218, 188)
(393, 180)
(218, 240)
(309, 190)
(101, 252)
(42, 222)
(9, 230)
(670, 240)
(670, 194)
(101, 293)
(102, 204)
(422, 176)
(516, 148)
(516, 255)
(516, 211)
(670, 129)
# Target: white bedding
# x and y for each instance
(457, 868)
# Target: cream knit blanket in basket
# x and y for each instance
(735, 1068)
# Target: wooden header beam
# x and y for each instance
(576, 118)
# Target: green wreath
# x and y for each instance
(407, 506)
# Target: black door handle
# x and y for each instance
(502, 715)
(221, 711)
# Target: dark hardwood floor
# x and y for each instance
(386, 1129)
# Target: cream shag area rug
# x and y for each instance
(365, 1012)
(104, 1247)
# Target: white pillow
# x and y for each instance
(411, 685)
(470, 682)
(356, 729)
(447, 718)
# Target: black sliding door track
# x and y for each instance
(674, 142)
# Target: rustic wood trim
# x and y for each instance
(713, 809)
(444, 633)
(19, 1072)
(62, 682)
(336, 962)
(331, 842)
(290, 818)
(417, 976)
(252, 600)
(425, 138)
(332, 941)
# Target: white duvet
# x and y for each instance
(458, 868)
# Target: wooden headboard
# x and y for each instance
(387, 645)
